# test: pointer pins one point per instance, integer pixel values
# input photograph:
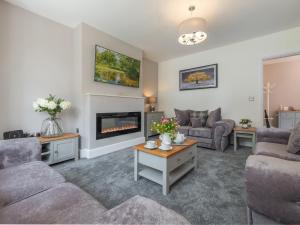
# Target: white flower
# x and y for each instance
(51, 105)
(65, 105)
(42, 102)
(35, 106)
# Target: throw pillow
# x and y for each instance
(196, 122)
(213, 117)
(183, 117)
(294, 141)
(201, 115)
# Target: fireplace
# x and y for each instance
(115, 124)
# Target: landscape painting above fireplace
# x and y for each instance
(199, 77)
(114, 68)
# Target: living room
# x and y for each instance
(132, 61)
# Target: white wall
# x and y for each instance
(36, 59)
(39, 56)
(150, 72)
(90, 37)
(240, 76)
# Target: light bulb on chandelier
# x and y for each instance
(192, 31)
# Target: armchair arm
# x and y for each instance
(227, 125)
(273, 135)
(272, 187)
(140, 210)
(221, 131)
(18, 151)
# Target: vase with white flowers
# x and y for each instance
(52, 126)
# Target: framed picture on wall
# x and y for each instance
(115, 68)
(199, 78)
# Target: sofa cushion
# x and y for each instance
(213, 117)
(15, 152)
(184, 130)
(201, 116)
(20, 182)
(140, 210)
(294, 140)
(62, 204)
(200, 132)
(196, 122)
(183, 117)
(275, 150)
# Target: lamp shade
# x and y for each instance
(192, 31)
(152, 100)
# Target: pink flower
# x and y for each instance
(165, 120)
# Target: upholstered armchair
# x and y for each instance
(273, 180)
(15, 152)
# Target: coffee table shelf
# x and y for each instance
(153, 175)
(165, 167)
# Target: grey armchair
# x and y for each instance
(15, 152)
(273, 180)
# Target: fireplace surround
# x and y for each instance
(115, 124)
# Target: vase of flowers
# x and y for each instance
(167, 128)
(52, 126)
(245, 123)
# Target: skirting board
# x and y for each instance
(96, 152)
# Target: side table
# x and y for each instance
(248, 133)
(58, 149)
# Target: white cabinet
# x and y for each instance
(60, 149)
(288, 119)
(151, 117)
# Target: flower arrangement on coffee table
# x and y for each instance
(167, 126)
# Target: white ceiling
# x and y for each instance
(151, 25)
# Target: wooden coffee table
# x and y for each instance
(165, 167)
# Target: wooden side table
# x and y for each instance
(58, 149)
(248, 133)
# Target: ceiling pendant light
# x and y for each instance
(192, 31)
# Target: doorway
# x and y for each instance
(281, 78)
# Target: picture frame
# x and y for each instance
(112, 67)
(202, 77)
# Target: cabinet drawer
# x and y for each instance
(180, 158)
(64, 150)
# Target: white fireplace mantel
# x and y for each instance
(108, 103)
(118, 96)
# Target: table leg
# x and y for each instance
(253, 141)
(165, 172)
(136, 165)
(195, 157)
(235, 141)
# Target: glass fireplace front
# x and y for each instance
(114, 124)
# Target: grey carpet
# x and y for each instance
(212, 194)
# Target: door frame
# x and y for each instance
(261, 96)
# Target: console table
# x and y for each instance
(288, 119)
(58, 149)
(151, 117)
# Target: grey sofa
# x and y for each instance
(32, 192)
(273, 180)
(214, 135)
